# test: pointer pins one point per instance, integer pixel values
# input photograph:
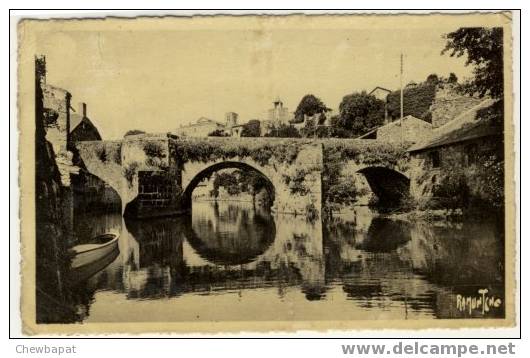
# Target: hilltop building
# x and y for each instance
(201, 128)
(233, 128)
(231, 119)
(382, 94)
(278, 114)
(204, 127)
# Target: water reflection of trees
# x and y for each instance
(417, 264)
(458, 254)
(386, 235)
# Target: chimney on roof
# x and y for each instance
(82, 109)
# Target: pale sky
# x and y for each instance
(157, 79)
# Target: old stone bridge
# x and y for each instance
(155, 174)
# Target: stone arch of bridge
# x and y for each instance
(389, 185)
(112, 177)
(85, 157)
(209, 170)
(90, 189)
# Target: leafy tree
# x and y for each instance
(218, 133)
(336, 131)
(309, 129)
(252, 182)
(239, 181)
(432, 79)
(416, 101)
(227, 180)
(133, 132)
(312, 130)
(452, 78)
(283, 131)
(309, 106)
(484, 50)
(251, 129)
(360, 112)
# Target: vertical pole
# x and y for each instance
(401, 95)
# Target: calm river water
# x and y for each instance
(230, 261)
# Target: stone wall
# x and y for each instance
(344, 183)
(413, 130)
(448, 104)
(464, 156)
(56, 121)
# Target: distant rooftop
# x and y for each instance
(380, 88)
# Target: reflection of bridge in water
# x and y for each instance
(377, 263)
(249, 250)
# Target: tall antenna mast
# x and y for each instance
(401, 94)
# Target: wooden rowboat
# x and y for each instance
(96, 249)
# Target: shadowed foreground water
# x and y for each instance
(233, 262)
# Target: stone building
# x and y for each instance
(234, 131)
(233, 128)
(65, 126)
(463, 143)
(411, 129)
(278, 114)
(201, 128)
(380, 93)
(231, 119)
(81, 127)
(90, 193)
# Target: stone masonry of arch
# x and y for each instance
(294, 167)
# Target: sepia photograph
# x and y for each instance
(266, 173)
